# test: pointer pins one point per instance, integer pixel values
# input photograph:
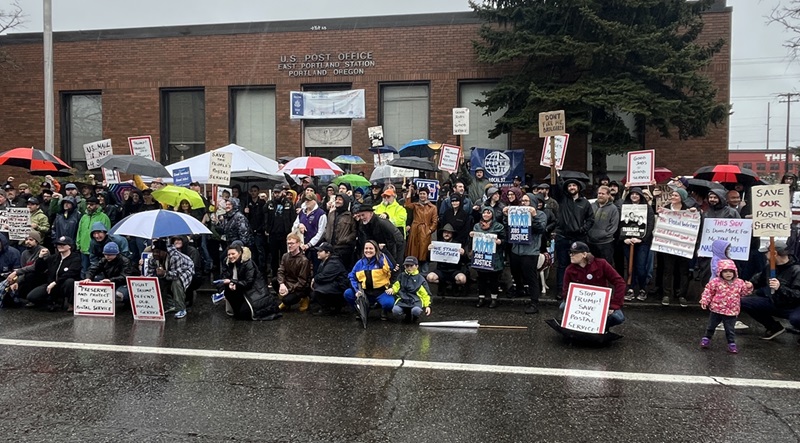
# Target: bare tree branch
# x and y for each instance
(789, 17)
(9, 19)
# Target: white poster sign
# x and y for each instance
(382, 158)
(445, 252)
(19, 223)
(641, 167)
(142, 146)
(94, 299)
(676, 232)
(561, 151)
(110, 176)
(586, 308)
(772, 211)
(375, 136)
(633, 221)
(448, 158)
(460, 121)
(327, 104)
(96, 151)
(219, 168)
(145, 297)
(735, 230)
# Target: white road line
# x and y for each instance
(414, 364)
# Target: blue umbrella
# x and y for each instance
(383, 149)
(158, 224)
(349, 160)
(417, 148)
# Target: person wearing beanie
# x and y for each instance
(114, 267)
(672, 272)
(89, 221)
(489, 279)
(100, 239)
(23, 280)
(311, 223)
(340, 230)
(57, 273)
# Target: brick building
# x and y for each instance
(195, 88)
(770, 165)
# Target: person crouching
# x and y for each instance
(412, 295)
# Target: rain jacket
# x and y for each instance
(788, 274)
(251, 300)
(718, 253)
(66, 225)
(278, 216)
(9, 257)
(721, 296)
(235, 225)
(396, 213)
(597, 272)
(96, 248)
(574, 215)
(499, 230)
(411, 290)
(721, 209)
(42, 222)
(426, 220)
(86, 226)
(371, 273)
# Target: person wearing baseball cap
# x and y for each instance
(174, 272)
(391, 210)
(61, 271)
(39, 220)
(114, 267)
(411, 293)
(329, 282)
(374, 196)
(585, 269)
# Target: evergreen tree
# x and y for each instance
(600, 60)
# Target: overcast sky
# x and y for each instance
(761, 68)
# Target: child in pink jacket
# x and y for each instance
(721, 297)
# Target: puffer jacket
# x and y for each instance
(235, 225)
(251, 299)
(721, 296)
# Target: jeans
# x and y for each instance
(641, 252)
(604, 251)
(763, 311)
(208, 262)
(385, 300)
(728, 321)
(562, 260)
(85, 263)
(399, 311)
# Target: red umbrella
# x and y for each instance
(662, 174)
(315, 166)
(728, 174)
(36, 161)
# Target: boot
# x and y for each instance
(532, 308)
(303, 305)
(481, 301)
(494, 303)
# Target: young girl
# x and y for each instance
(721, 297)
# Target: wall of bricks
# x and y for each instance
(131, 71)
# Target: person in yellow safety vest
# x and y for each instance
(390, 209)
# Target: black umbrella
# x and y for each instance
(701, 186)
(565, 175)
(362, 307)
(135, 164)
(421, 164)
(583, 337)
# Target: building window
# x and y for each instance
(253, 120)
(404, 112)
(747, 165)
(480, 124)
(81, 123)
(774, 166)
(761, 166)
(183, 124)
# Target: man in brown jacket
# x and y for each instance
(294, 275)
(340, 231)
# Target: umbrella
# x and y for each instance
(662, 174)
(311, 166)
(383, 149)
(135, 164)
(417, 148)
(701, 186)
(173, 195)
(349, 160)
(728, 174)
(583, 337)
(571, 174)
(157, 224)
(421, 164)
(36, 161)
(244, 163)
(362, 307)
(387, 172)
(118, 189)
(354, 180)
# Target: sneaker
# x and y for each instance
(665, 300)
(683, 302)
(217, 298)
(705, 342)
(769, 335)
(629, 295)
(732, 348)
(532, 308)
(740, 325)
(180, 314)
(642, 295)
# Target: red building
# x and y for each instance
(768, 164)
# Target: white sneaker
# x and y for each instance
(738, 325)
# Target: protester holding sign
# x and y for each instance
(447, 272)
(672, 272)
(525, 256)
(574, 220)
(584, 268)
(636, 225)
(489, 279)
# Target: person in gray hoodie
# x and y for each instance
(525, 256)
(718, 205)
(606, 222)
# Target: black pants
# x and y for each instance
(487, 282)
(277, 247)
(347, 255)
(258, 245)
(524, 270)
(65, 290)
(326, 300)
(728, 321)
(604, 251)
(291, 298)
(672, 275)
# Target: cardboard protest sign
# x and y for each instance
(552, 123)
(110, 176)
(97, 151)
(772, 211)
(641, 167)
(586, 308)
(633, 221)
(448, 158)
(676, 232)
(181, 176)
(561, 151)
(219, 168)
(142, 146)
(460, 121)
(19, 223)
(445, 252)
(432, 185)
(95, 299)
(735, 230)
(519, 225)
(375, 136)
(483, 250)
(145, 297)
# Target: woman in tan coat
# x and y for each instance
(426, 219)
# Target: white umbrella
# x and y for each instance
(158, 224)
(244, 163)
(388, 172)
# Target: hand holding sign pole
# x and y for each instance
(772, 216)
(552, 123)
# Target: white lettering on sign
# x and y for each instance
(324, 63)
(772, 211)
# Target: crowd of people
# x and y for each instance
(321, 248)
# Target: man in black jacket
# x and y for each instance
(574, 219)
(113, 268)
(254, 211)
(330, 281)
(279, 215)
(60, 271)
(776, 297)
(382, 231)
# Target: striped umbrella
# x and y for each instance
(158, 224)
(315, 166)
(36, 161)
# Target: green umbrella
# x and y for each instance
(173, 195)
(355, 180)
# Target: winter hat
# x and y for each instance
(34, 234)
(99, 226)
(111, 248)
(682, 192)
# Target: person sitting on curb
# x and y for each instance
(776, 297)
(174, 271)
(60, 271)
(114, 268)
(411, 291)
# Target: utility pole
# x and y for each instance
(768, 126)
(790, 97)
(49, 105)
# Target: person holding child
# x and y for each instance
(722, 298)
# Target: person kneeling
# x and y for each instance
(294, 275)
(330, 281)
(60, 272)
(246, 294)
(113, 268)
(453, 273)
(412, 295)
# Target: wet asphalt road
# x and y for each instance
(51, 394)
